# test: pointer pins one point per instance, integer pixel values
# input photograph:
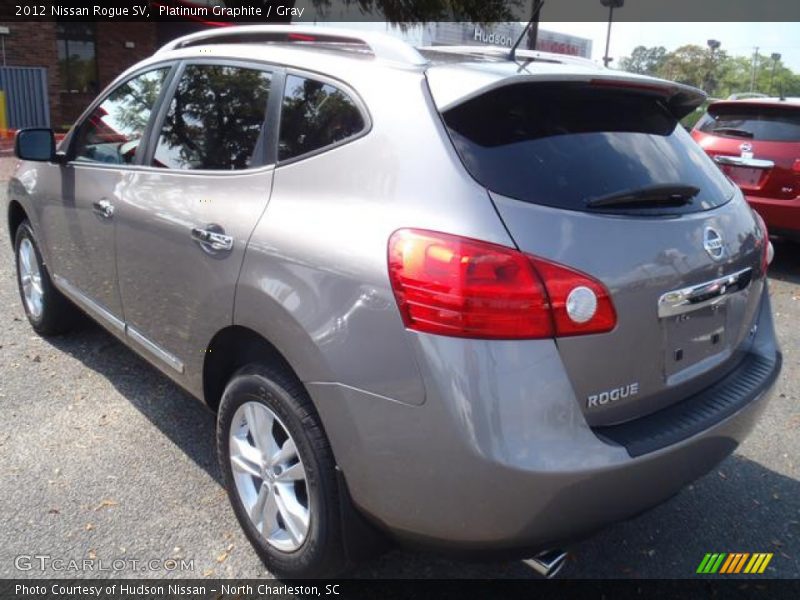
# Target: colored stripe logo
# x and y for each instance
(734, 562)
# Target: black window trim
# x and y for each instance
(141, 150)
(277, 80)
(338, 84)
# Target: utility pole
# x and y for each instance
(611, 4)
(776, 56)
(753, 74)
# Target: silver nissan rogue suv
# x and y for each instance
(444, 295)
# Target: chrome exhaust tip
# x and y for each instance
(549, 563)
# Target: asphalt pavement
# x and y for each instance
(102, 458)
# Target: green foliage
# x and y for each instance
(717, 72)
(693, 117)
(645, 61)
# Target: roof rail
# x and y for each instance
(382, 46)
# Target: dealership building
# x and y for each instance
(494, 34)
(52, 70)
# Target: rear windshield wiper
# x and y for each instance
(734, 131)
(670, 194)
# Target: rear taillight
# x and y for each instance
(767, 251)
(460, 287)
(796, 166)
(580, 304)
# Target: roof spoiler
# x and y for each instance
(680, 99)
(451, 87)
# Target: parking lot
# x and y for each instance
(102, 457)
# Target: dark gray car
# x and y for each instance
(466, 301)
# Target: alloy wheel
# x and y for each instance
(31, 277)
(269, 476)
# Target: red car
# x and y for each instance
(756, 142)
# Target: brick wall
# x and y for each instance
(113, 57)
(33, 44)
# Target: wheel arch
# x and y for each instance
(16, 215)
(230, 349)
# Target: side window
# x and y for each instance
(217, 120)
(315, 115)
(112, 132)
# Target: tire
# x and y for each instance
(254, 392)
(53, 314)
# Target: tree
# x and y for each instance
(688, 64)
(643, 60)
(716, 72)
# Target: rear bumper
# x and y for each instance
(781, 216)
(499, 457)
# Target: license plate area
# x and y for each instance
(695, 322)
(695, 336)
(744, 176)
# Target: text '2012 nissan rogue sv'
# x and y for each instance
(466, 301)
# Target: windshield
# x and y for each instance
(561, 145)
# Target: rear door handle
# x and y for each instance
(104, 208)
(212, 239)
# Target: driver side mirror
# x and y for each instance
(37, 144)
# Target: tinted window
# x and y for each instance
(753, 122)
(560, 145)
(217, 120)
(315, 115)
(112, 132)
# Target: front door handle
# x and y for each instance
(213, 239)
(104, 208)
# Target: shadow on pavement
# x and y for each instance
(786, 265)
(740, 507)
(184, 420)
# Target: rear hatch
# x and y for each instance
(757, 144)
(598, 175)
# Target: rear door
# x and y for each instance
(684, 275)
(757, 144)
(187, 214)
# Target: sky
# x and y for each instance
(736, 38)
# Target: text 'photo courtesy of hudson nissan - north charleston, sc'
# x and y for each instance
(437, 295)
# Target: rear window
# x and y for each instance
(764, 123)
(562, 144)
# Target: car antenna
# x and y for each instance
(534, 19)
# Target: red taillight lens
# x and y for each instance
(766, 245)
(564, 286)
(796, 166)
(460, 287)
(301, 37)
(621, 84)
